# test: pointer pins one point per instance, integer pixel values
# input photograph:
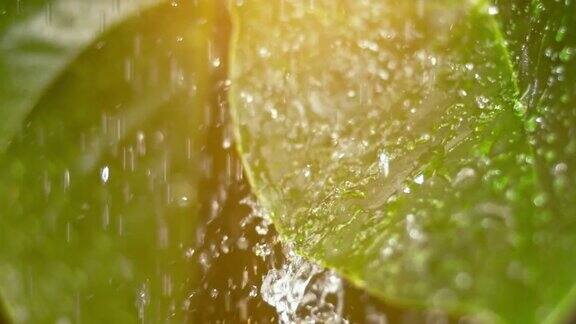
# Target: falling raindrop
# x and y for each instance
(105, 174)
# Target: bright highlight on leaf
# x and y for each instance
(389, 140)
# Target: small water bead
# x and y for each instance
(493, 10)
(566, 54)
(384, 163)
(384, 74)
(253, 291)
(242, 243)
(561, 33)
(559, 71)
(425, 137)
(224, 245)
(261, 229)
(464, 178)
(247, 97)
(105, 174)
(189, 253)
(262, 250)
(560, 169)
(140, 143)
(369, 45)
(263, 226)
(204, 260)
(66, 179)
(419, 179)
(482, 102)
(273, 113)
(413, 229)
(264, 52)
(183, 201)
(540, 200)
(390, 247)
(307, 171)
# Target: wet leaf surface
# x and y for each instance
(421, 149)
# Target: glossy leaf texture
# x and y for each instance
(394, 142)
(542, 39)
(100, 187)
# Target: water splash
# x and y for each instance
(302, 292)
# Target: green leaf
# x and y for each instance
(399, 143)
(543, 48)
(99, 188)
(39, 39)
